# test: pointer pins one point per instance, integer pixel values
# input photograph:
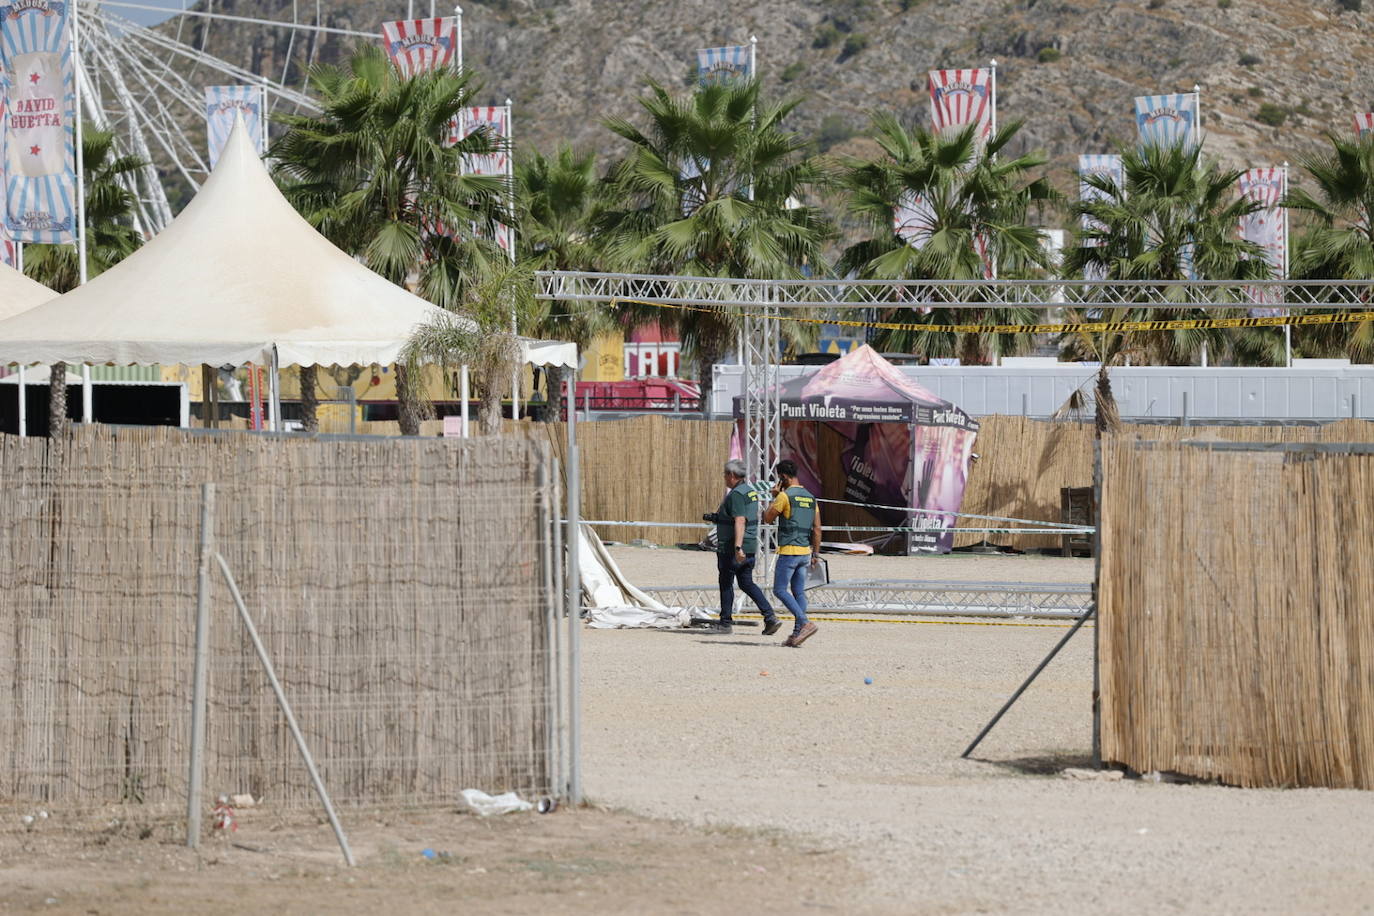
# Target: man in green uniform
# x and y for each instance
(737, 527)
(799, 543)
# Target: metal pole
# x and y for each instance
(350, 395)
(574, 583)
(1025, 404)
(286, 711)
(197, 774)
(992, 78)
(80, 155)
(274, 391)
(23, 404)
(1097, 591)
(1022, 689)
(1183, 419)
(586, 400)
(560, 588)
(87, 401)
(458, 14)
(1287, 329)
(463, 398)
(553, 600)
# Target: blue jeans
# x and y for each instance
(789, 584)
(743, 573)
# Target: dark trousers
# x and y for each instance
(742, 573)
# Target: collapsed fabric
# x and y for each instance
(612, 602)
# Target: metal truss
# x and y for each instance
(943, 599)
(954, 294)
(762, 408)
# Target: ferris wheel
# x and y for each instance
(147, 86)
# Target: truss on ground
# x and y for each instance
(896, 597)
(572, 286)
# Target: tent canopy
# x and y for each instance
(862, 387)
(236, 274)
(19, 294)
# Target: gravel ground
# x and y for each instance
(735, 730)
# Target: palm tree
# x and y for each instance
(558, 199)
(1175, 217)
(943, 206)
(375, 173)
(110, 238)
(478, 334)
(110, 205)
(713, 186)
(1339, 243)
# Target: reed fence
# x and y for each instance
(661, 469)
(405, 590)
(1236, 631)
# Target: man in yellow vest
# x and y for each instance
(799, 543)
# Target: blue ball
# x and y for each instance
(868, 680)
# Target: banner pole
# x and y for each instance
(458, 14)
(1287, 328)
(80, 153)
(23, 404)
(993, 80)
(1197, 92)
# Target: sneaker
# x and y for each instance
(723, 627)
(806, 633)
(789, 641)
(771, 626)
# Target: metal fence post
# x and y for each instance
(198, 678)
(290, 717)
(574, 584)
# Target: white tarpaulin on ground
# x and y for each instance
(237, 273)
(612, 602)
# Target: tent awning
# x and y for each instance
(237, 274)
(862, 387)
(19, 294)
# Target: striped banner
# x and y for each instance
(496, 120)
(222, 104)
(1166, 120)
(1267, 228)
(40, 153)
(9, 249)
(721, 65)
(1364, 123)
(959, 98)
(1100, 165)
(417, 45)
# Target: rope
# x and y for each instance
(1091, 327)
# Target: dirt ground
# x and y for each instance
(728, 775)
(591, 860)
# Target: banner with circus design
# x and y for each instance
(40, 152)
(418, 45)
(1267, 227)
(959, 98)
(1167, 120)
(496, 119)
(1364, 123)
(1103, 166)
(721, 65)
(222, 105)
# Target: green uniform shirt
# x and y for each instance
(741, 501)
(794, 528)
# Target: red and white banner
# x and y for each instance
(959, 98)
(417, 45)
(1364, 123)
(40, 149)
(1267, 227)
(496, 120)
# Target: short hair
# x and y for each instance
(786, 468)
(734, 467)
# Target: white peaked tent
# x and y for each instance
(19, 294)
(238, 277)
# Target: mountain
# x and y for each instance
(1068, 68)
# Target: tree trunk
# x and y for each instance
(489, 407)
(559, 379)
(310, 399)
(708, 354)
(1105, 416)
(57, 402)
(412, 405)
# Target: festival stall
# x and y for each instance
(865, 435)
(239, 277)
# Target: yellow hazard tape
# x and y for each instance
(958, 623)
(1091, 327)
